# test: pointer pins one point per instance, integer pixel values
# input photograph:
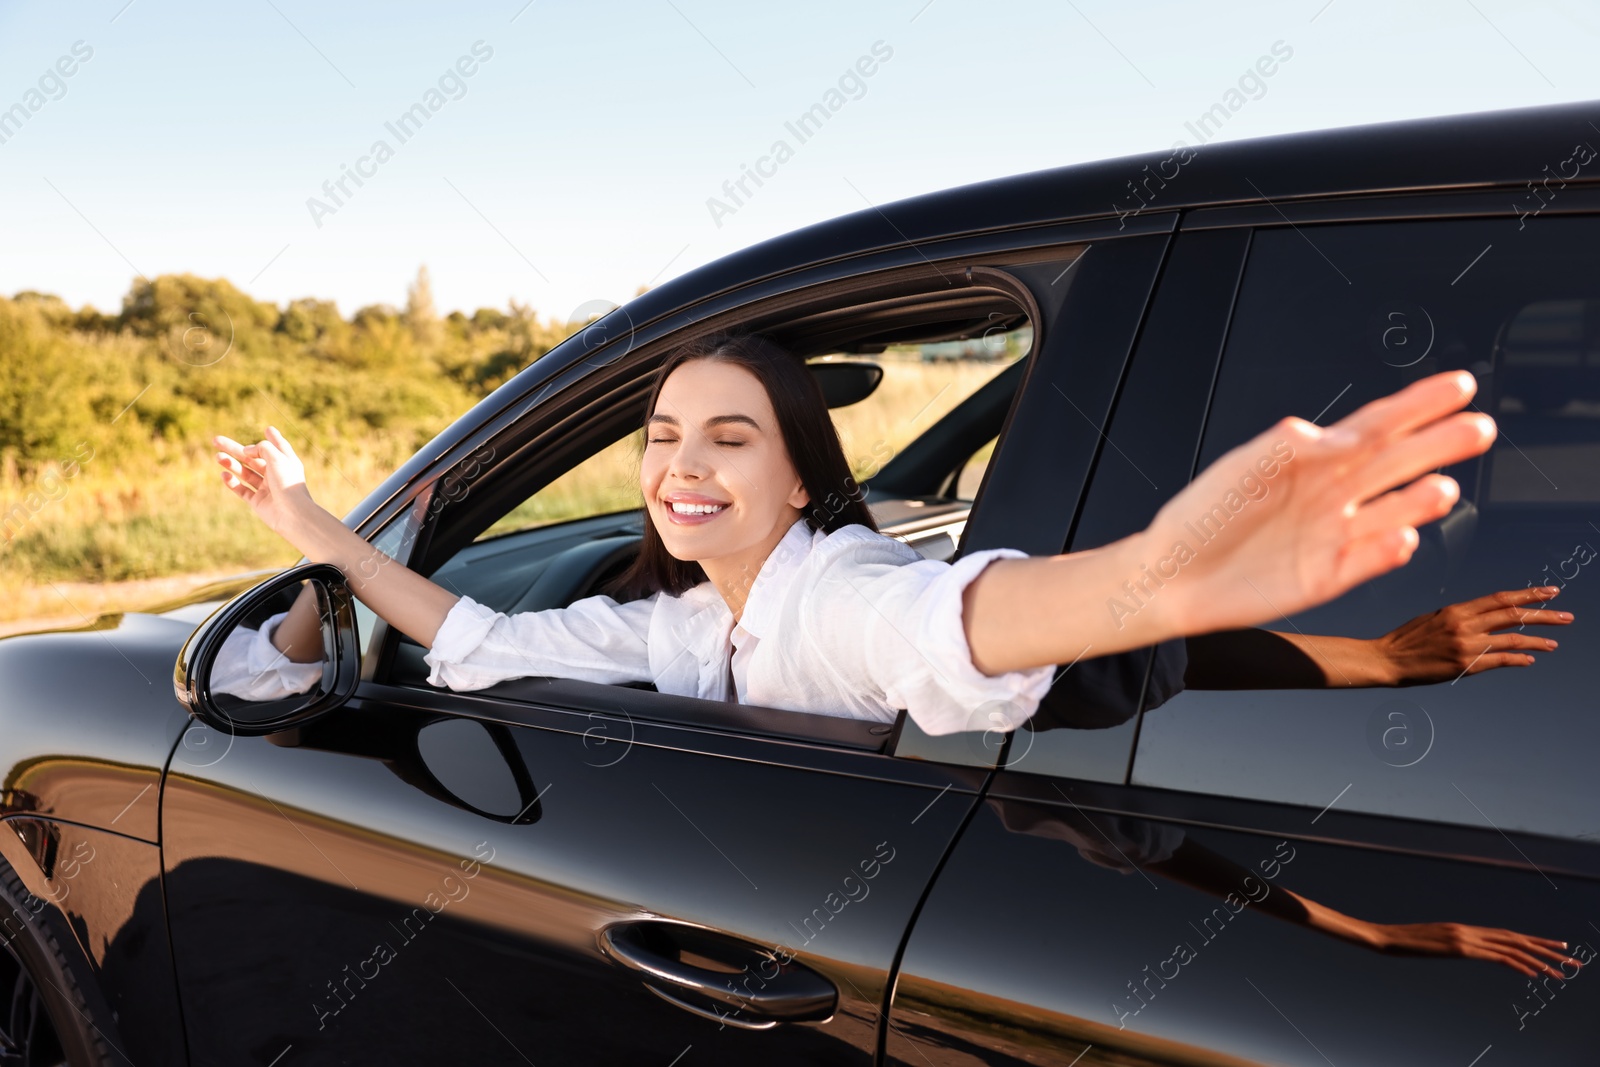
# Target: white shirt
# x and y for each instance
(249, 666)
(851, 623)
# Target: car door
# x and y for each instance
(1214, 880)
(563, 872)
(548, 870)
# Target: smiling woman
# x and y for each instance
(744, 590)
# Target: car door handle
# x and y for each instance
(718, 977)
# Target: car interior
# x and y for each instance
(914, 496)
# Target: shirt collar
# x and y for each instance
(772, 580)
(766, 592)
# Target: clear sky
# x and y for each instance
(576, 161)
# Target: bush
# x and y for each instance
(143, 391)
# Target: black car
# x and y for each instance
(559, 872)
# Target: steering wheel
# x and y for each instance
(577, 572)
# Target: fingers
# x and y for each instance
(1553, 949)
(1418, 404)
(1527, 950)
(229, 446)
(1500, 618)
(1491, 661)
(1424, 500)
(268, 449)
(1519, 617)
(1495, 652)
(1506, 598)
(1536, 965)
(1502, 642)
(281, 441)
(1364, 558)
(1399, 461)
(234, 472)
(237, 487)
(248, 454)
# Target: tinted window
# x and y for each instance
(606, 482)
(921, 385)
(1329, 318)
(557, 545)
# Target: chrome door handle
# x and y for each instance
(748, 988)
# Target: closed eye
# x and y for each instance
(670, 440)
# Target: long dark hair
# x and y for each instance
(808, 433)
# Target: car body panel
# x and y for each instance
(1135, 964)
(104, 889)
(1145, 969)
(92, 752)
(320, 865)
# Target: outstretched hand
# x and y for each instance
(1298, 515)
(1523, 953)
(268, 475)
(1457, 639)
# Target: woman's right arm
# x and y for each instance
(593, 639)
(299, 635)
(270, 477)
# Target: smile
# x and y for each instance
(679, 514)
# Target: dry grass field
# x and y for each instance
(109, 539)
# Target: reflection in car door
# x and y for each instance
(1150, 926)
(441, 877)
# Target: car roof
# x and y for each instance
(1509, 147)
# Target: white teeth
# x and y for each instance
(697, 509)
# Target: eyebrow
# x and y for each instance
(715, 420)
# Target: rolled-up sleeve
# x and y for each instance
(882, 613)
(249, 666)
(595, 639)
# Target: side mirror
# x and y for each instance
(233, 678)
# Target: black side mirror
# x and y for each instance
(232, 678)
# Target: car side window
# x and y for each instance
(605, 483)
(562, 543)
(970, 477)
(393, 542)
(923, 383)
(1329, 318)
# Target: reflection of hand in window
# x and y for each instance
(1440, 646)
(1125, 843)
(1211, 872)
(1459, 639)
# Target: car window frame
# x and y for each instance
(1003, 261)
(694, 711)
(1171, 328)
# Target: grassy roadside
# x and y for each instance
(112, 539)
(92, 538)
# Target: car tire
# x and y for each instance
(52, 1010)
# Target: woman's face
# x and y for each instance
(713, 440)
